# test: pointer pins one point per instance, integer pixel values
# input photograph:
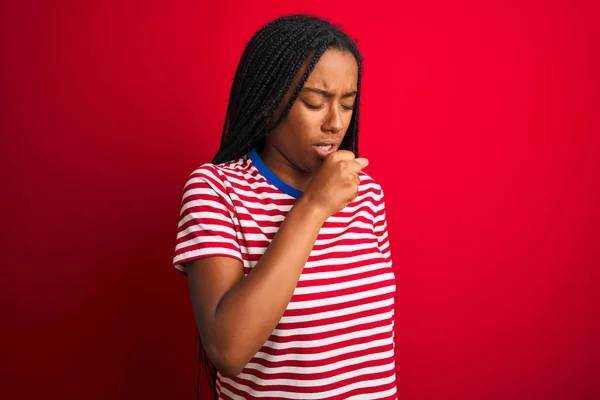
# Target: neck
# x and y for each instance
(284, 168)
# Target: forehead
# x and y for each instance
(335, 70)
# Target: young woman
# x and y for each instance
(283, 237)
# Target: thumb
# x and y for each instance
(362, 161)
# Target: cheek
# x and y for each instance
(304, 124)
(348, 118)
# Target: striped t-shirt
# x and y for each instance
(336, 337)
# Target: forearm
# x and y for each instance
(250, 311)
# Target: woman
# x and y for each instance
(283, 237)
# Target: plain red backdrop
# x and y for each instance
(480, 121)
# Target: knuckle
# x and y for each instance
(345, 154)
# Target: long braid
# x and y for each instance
(273, 64)
(266, 70)
(255, 118)
(350, 141)
(242, 69)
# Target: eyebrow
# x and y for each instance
(328, 94)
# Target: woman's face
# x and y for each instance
(320, 116)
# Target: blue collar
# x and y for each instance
(271, 177)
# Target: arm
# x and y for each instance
(236, 315)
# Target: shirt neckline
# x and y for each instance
(271, 177)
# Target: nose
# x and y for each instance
(333, 121)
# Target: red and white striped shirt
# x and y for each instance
(336, 337)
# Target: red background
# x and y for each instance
(480, 121)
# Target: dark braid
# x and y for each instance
(265, 73)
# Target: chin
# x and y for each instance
(308, 162)
(315, 165)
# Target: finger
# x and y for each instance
(342, 155)
(360, 163)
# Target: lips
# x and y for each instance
(325, 148)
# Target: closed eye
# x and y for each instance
(314, 107)
(311, 106)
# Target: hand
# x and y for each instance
(335, 184)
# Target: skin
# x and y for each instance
(236, 315)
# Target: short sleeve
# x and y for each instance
(207, 223)
(380, 229)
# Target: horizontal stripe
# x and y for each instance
(322, 368)
(295, 305)
(315, 377)
(315, 356)
(322, 392)
(299, 320)
(327, 340)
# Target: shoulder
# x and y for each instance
(217, 175)
(211, 183)
(369, 184)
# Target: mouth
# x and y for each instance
(325, 149)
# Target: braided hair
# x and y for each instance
(265, 73)
(268, 67)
